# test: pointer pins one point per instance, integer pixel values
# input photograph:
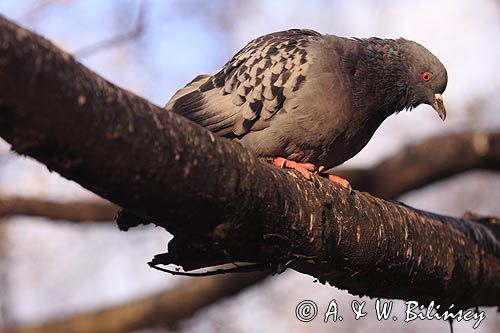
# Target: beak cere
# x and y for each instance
(438, 105)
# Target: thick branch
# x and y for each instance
(415, 166)
(220, 202)
(416, 162)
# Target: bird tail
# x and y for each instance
(189, 88)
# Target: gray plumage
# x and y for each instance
(310, 97)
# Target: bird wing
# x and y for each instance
(250, 88)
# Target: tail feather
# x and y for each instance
(192, 86)
(207, 108)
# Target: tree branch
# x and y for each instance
(221, 203)
(435, 159)
(416, 162)
(162, 309)
(409, 169)
(73, 211)
(117, 40)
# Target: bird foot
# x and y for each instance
(306, 169)
(339, 180)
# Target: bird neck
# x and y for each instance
(379, 73)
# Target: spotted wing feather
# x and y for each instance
(251, 88)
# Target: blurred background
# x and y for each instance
(52, 269)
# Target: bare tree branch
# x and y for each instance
(421, 164)
(416, 163)
(38, 6)
(409, 169)
(162, 309)
(74, 211)
(117, 40)
(221, 203)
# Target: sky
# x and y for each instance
(182, 39)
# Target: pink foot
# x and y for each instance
(307, 168)
(304, 168)
(339, 180)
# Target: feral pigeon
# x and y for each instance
(304, 99)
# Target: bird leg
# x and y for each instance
(306, 169)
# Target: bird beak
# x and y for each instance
(439, 106)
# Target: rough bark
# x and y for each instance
(413, 167)
(416, 162)
(221, 203)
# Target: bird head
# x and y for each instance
(425, 77)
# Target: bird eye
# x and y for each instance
(426, 76)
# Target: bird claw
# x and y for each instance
(305, 169)
(341, 181)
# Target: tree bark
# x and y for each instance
(417, 162)
(413, 167)
(220, 202)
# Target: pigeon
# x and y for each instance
(308, 101)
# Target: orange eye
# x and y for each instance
(426, 76)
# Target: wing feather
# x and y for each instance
(250, 88)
